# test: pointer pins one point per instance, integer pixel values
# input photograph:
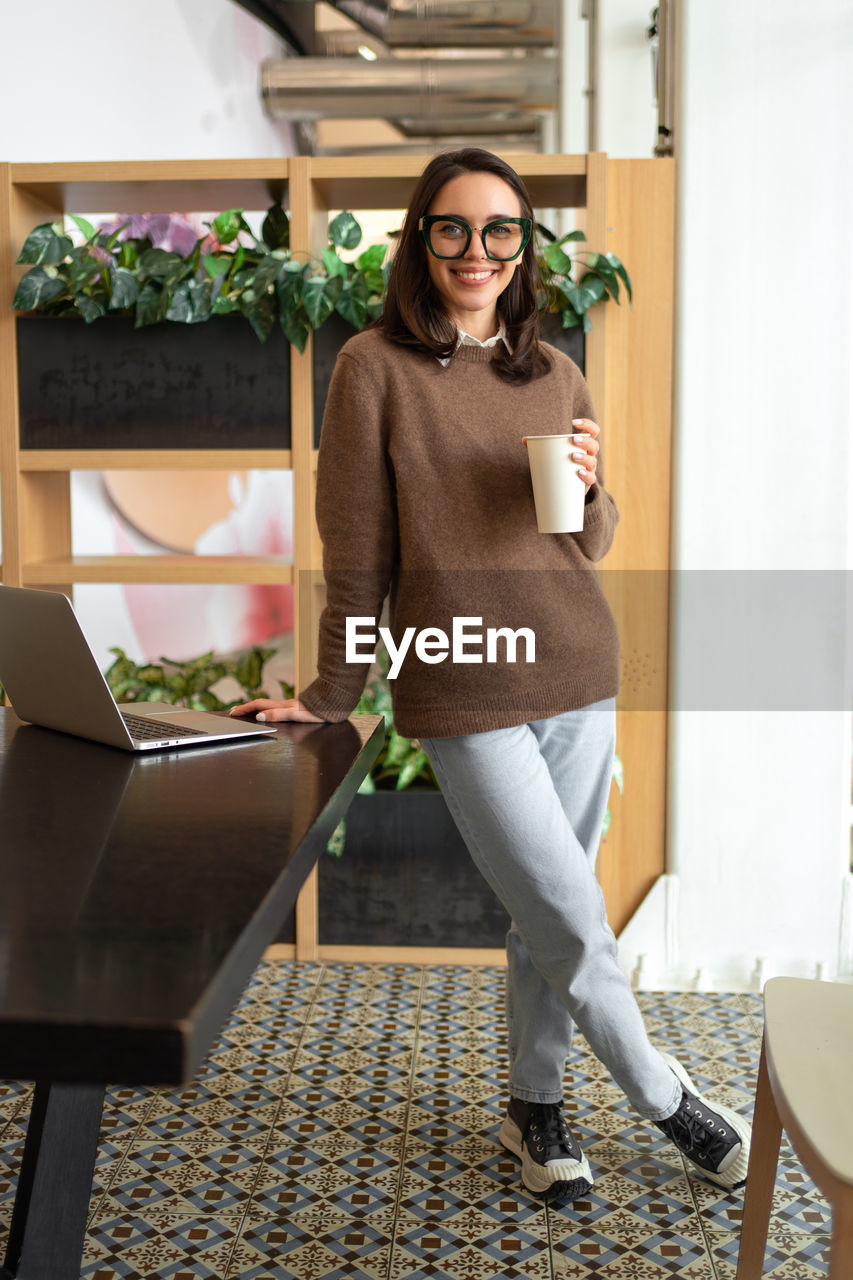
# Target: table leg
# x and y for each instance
(55, 1182)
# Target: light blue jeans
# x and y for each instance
(529, 802)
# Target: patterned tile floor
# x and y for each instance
(344, 1125)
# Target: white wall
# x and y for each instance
(165, 80)
(611, 104)
(624, 106)
(759, 834)
(168, 80)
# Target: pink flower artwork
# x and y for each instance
(182, 621)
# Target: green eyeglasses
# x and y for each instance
(449, 236)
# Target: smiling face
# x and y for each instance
(470, 286)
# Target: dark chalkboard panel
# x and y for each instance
(328, 340)
(332, 335)
(406, 879)
(204, 386)
(572, 341)
(167, 386)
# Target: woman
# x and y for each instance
(423, 494)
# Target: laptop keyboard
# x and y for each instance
(148, 730)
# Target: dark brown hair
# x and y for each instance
(414, 314)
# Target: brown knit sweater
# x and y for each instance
(423, 491)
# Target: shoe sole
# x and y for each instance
(735, 1174)
(574, 1175)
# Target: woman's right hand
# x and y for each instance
(272, 709)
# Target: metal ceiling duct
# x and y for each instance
(516, 24)
(421, 145)
(422, 90)
(473, 127)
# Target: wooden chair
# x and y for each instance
(805, 1086)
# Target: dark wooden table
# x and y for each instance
(137, 894)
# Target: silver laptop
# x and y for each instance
(52, 679)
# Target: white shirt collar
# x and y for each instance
(464, 339)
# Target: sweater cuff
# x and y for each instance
(593, 505)
(328, 701)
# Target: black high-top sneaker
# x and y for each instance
(715, 1138)
(537, 1133)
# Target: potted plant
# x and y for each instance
(144, 268)
(572, 284)
(568, 294)
(191, 683)
(149, 379)
(126, 269)
(401, 874)
(175, 363)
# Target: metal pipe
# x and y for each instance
(412, 89)
(664, 47)
(589, 11)
(348, 44)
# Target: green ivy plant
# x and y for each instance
(402, 761)
(264, 280)
(566, 292)
(190, 683)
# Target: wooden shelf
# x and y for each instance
(155, 459)
(167, 568)
(624, 205)
(385, 182)
(157, 186)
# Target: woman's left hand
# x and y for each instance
(585, 449)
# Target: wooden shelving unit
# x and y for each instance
(36, 484)
(151, 459)
(624, 205)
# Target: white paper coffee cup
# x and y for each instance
(558, 491)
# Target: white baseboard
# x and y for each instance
(648, 950)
